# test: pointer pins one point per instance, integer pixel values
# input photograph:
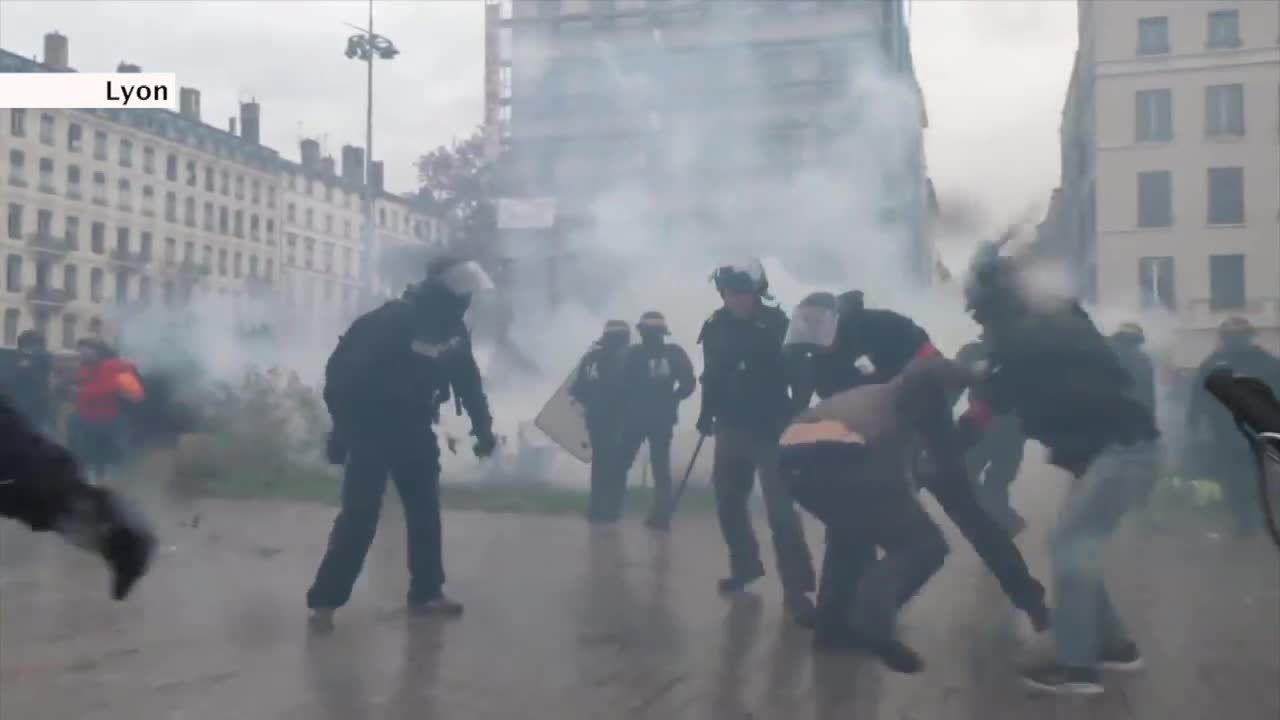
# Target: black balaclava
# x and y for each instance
(653, 329)
(616, 335)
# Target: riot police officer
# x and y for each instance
(42, 485)
(383, 386)
(28, 386)
(598, 388)
(1230, 458)
(746, 403)
(656, 377)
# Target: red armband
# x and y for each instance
(979, 412)
(926, 351)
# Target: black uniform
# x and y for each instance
(656, 378)
(994, 461)
(41, 485)
(27, 386)
(384, 384)
(1229, 457)
(746, 400)
(598, 387)
(885, 338)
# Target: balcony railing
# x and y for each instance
(48, 296)
(44, 242)
(195, 269)
(127, 258)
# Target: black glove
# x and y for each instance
(105, 523)
(706, 424)
(485, 442)
(335, 449)
(968, 432)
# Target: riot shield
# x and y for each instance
(562, 420)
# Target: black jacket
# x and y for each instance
(889, 340)
(1250, 361)
(655, 380)
(744, 375)
(1139, 366)
(598, 383)
(39, 480)
(27, 387)
(395, 366)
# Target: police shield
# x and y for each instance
(562, 420)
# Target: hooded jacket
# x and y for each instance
(102, 386)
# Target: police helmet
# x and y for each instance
(742, 277)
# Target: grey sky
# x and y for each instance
(993, 73)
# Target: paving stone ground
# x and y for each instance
(571, 623)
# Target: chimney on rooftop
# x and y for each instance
(125, 67)
(310, 154)
(55, 50)
(250, 113)
(375, 175)
(326, 166)
(189, 103)
(353, 164)
(231, 125)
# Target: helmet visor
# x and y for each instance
(466, 278)
(812, 326)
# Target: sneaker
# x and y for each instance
(320, 620)
(1125, 658)
(1064, 680)
(439, 606)
(898, 657)
(801, 609)
(738, 583)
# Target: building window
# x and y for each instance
(100, 187)
(44, 223)
(1226, 282)
(1224, 29)
(225, 183)
(46, 175)
(122, 286)
(122, 240)
(144, 249)
(46, 129)
(209, 179)
(71, 232)
(292, 244)
(346, 229)
(1156, 283)
(188, 252)
(255, 192)
(253, 266)
(75, 137)
(149, 160)
(18, 122)
(310, 219)
(170, 251)
(271, 229)
(126, 153)
(328, 257)
(13, 273)
(291, 213)
(1153, 35)
(15, 221)
(1224, 110)
(253, 228)
(208, 256)
(239, 187)
(1226, 196)
(224, 220)
(11, 319)
(95, 326)
(222, 263)
(171, 207)
(382, 217)
(124, 193)
(1155, 199)
(1154, 114)
(271, 196)
(171, 168)
(208, 216)
(98, 238)
(309, 252)
(99, 145)
(17, 168)
(68, 332)
(73, 181)
(189, 212)
(328, 224)
(239, 224)
(148, 201)
(237, 264)
(193, 176)
(71, 280)
(144, 289)
(270, 269)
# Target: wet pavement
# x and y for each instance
(567, 622)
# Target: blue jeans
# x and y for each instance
(1085, 621)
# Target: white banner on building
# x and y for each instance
(531, 213)
(50, 90)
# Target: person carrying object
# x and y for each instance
(598, 386)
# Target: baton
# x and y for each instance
(684, 482)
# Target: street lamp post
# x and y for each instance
(366, 46)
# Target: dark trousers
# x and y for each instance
(993, 466)
(1235, 469)
(608, 490)
(739, 456)
(659, 441)
(865, 501)
(414, 465)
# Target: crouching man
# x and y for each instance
(846, 462)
